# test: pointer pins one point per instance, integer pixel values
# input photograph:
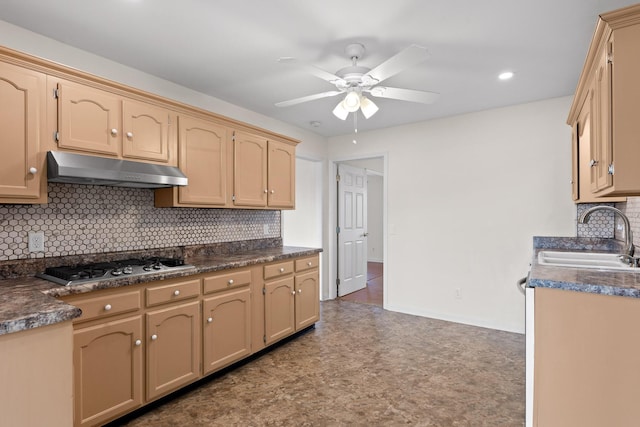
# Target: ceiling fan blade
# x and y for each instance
(320, 73)
(308, 98)
(406, 58)
(405, 94)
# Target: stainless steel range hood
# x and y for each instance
(82, 169)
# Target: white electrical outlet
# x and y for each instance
(36, 241)
(458, 293)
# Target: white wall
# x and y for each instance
(374, 218)
(465, 196)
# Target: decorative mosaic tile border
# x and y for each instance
(85, 219)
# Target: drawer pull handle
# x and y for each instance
(107, 307)
(230, 282)
(138, 343)
(281, 269)
(176, 292)
(210, 319)
(309, 263)
(154, 337)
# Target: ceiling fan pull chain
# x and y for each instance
(355, 126)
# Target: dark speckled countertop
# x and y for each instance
(29, 302)
(605, 282)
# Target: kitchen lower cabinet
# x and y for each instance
(279, 301)
(173, 348)
(226, 335)
(22, 120)
(586, 350)
(108, 372)
(307, 305)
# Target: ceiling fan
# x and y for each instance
(356, 81)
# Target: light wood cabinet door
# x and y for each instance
(307, 299)
(601, 147)
(586, 351)
(22, 120)
(146, 131)
(281, 175)
(89, 120)
(107, 361)
(227, 328)
(279, 309)
(249, 170)
(173, 348)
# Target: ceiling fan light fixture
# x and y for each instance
(351, 102)
(340, 112)
(368, 107)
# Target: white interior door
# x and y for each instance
(352, 229)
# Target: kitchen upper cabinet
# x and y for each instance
(205, 157)
(107, 360)
(173, 348)
(23, 121)
(583, 175)
(263, 172)
(609, 87)
(91, 120)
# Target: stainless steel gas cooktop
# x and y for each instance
(100, 271)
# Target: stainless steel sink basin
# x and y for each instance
(594, 260)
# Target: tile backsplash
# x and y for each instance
(601, 223)
(84, 219)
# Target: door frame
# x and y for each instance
(329, 286)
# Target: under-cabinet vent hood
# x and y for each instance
(82, 169)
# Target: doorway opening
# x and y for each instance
(360, 239)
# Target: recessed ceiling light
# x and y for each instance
(506, 75)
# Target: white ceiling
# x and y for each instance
(229, 48)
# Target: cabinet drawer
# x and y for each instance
(176, 291)
(107, 305)
(308, 263)
(277, 270)
(230, 280)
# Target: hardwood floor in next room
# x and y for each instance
(372, 293)
(365, 366)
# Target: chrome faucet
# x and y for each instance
(628, 236)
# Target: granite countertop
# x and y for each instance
(605, 282)
(30, 302)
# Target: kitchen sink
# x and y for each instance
(595, 260)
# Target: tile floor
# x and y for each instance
(364, 366)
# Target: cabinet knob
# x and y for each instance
(299, 291)
(281, 269)
(176, 292)
(210, 319)
(230, 282)
(593, 162)
(129, 134)
(309, 263)
(273, 191)
(154, 337)
(138, 343)
(107, 307)
(293, 292)
(266, 191)
(33, 170)
(114, 132)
